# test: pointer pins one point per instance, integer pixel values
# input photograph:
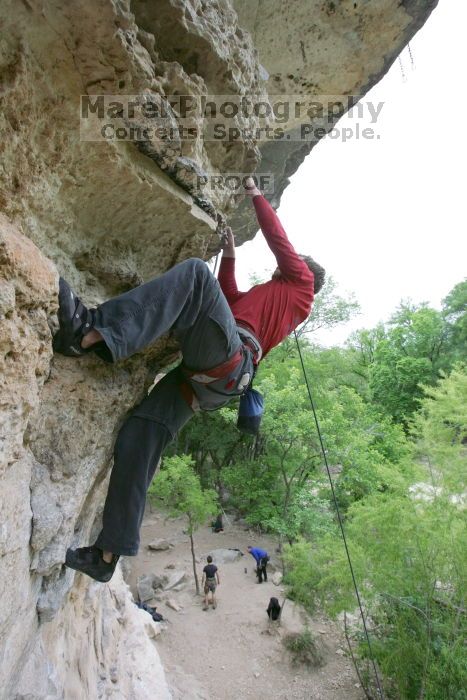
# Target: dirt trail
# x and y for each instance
(230, 653)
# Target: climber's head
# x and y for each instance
(319, 272)
(209, 559)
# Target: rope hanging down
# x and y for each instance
(215, 264)
(340, 520)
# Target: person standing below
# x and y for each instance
(274, 609)
(218, 525)
(210, 581)
(223, 334)
(261, 557)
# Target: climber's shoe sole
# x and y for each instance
(89, 561)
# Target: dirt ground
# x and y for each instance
(231, 653)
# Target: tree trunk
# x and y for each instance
(194, 563)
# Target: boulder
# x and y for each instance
(174, 579)
(277, 578)
(147, 586)
(224, 556)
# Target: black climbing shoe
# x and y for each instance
(89, 561)
(75, 321)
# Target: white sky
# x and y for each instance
(386, 217)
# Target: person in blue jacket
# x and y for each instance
(261, 557)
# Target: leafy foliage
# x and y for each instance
(408, 551)
(329, 309)
(409, 354)
(178, 488)
(303, 649)
(455, 316)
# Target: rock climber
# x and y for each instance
(223, 333)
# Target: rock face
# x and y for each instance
(108, 214)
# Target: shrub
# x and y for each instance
(303, 649)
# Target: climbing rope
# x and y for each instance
(341, 525)
(215, 264)
(412, 62)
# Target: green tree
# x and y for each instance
(178, 488)
(455, 315)
(408, 551)
(267, 483)
(409, 354)
(282, 486)
(213, 441)
(329, 309)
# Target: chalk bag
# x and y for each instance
(250, 411)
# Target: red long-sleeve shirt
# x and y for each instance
(274, 309)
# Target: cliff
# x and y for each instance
(108, 214)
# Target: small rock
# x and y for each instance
(257, 675)
(340, 652)
(277, 578)
(159, 545)
(173, 605)
(170, 566)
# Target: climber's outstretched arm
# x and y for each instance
(291, 265)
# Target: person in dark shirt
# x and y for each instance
(210, 581)
(218, 525)
(274, 609)
(223, 334)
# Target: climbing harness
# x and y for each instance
(213, 388)
(252, 342)
(378, 683)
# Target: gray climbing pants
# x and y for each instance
(188, 301)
